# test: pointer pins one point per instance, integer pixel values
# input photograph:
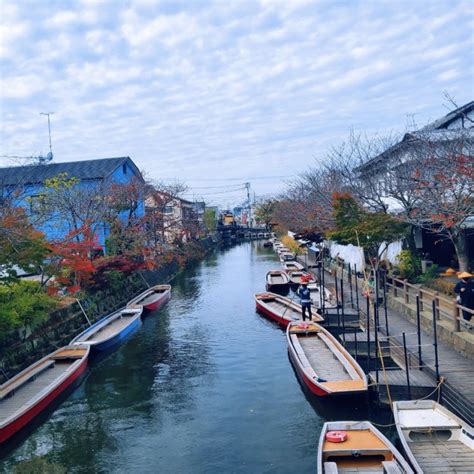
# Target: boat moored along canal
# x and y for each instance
(322, 362)
(281, 309)
(277, 281)
(152, 299)
(111, 330)
(435, 440)
(292, 267)
(29, 393)
(358, 447)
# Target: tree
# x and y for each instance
(264, 212)
(442, 179)
(372, 231)
(210, 220)
(21, 245)
(72, 259)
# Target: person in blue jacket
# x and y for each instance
(305, 299)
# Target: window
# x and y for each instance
(124, 168)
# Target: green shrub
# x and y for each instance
(430, 274)
(409, 265)
(23, 303)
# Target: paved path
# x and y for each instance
(457, 369)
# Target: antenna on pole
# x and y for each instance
(49, 156)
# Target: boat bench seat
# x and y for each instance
(391, 467)
(330, 468)
(10, 389)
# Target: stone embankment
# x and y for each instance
(26, 345)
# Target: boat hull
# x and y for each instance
(118, 338)
(161, 300)
(22, 421)
(264, 310)
(304, 378)
(281, 288)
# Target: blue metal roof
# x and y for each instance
(82, 170)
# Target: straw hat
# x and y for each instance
(464, 275)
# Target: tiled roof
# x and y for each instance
(83, 170)
(444, 122)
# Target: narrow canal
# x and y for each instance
(205, 386)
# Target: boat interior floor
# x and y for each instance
(31, 388)
(323, 361)
(436, 456)
(110, 329)
(276, 279)
(281, 308)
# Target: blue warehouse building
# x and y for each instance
(24, 183)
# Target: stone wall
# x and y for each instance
(26, 345)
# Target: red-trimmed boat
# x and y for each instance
(280, 309)
(27, 394)
(153, 298)
(322, 362)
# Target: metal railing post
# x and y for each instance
(418, 330)
(407, 368)
(435, 340)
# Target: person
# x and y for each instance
(305, 299)
(465, 290)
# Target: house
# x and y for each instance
(174, 219)
(93, 179)
(384, 176)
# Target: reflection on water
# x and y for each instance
(204, 386)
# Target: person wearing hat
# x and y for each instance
(465, 289)
(305, 299)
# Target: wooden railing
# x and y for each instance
(446, 308)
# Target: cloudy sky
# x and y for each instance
(218, 93)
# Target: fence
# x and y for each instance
(447, 309)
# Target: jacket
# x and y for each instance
(304, 294)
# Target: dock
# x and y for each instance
(453, 369)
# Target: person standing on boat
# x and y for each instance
(465, 291)
(305, 298)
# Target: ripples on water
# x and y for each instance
(205, 386)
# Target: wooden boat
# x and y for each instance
(297, 276)
(322, 362)
(282, 250)
(152, 299)
(357, 447)
(287, 257)
(278, 281)
(268, 243)
(434, 439)
(25, 396)
(292, 266)
(329, 300)
(280, 309)
(111, 330)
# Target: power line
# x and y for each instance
(238, 179)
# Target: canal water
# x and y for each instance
(205, 386)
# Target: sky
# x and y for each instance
(218, 93)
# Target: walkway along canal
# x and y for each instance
(205, 386)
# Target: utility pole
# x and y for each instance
(249, 217)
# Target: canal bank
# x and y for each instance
(204, 386)
(28, 344)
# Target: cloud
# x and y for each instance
(224, 89)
